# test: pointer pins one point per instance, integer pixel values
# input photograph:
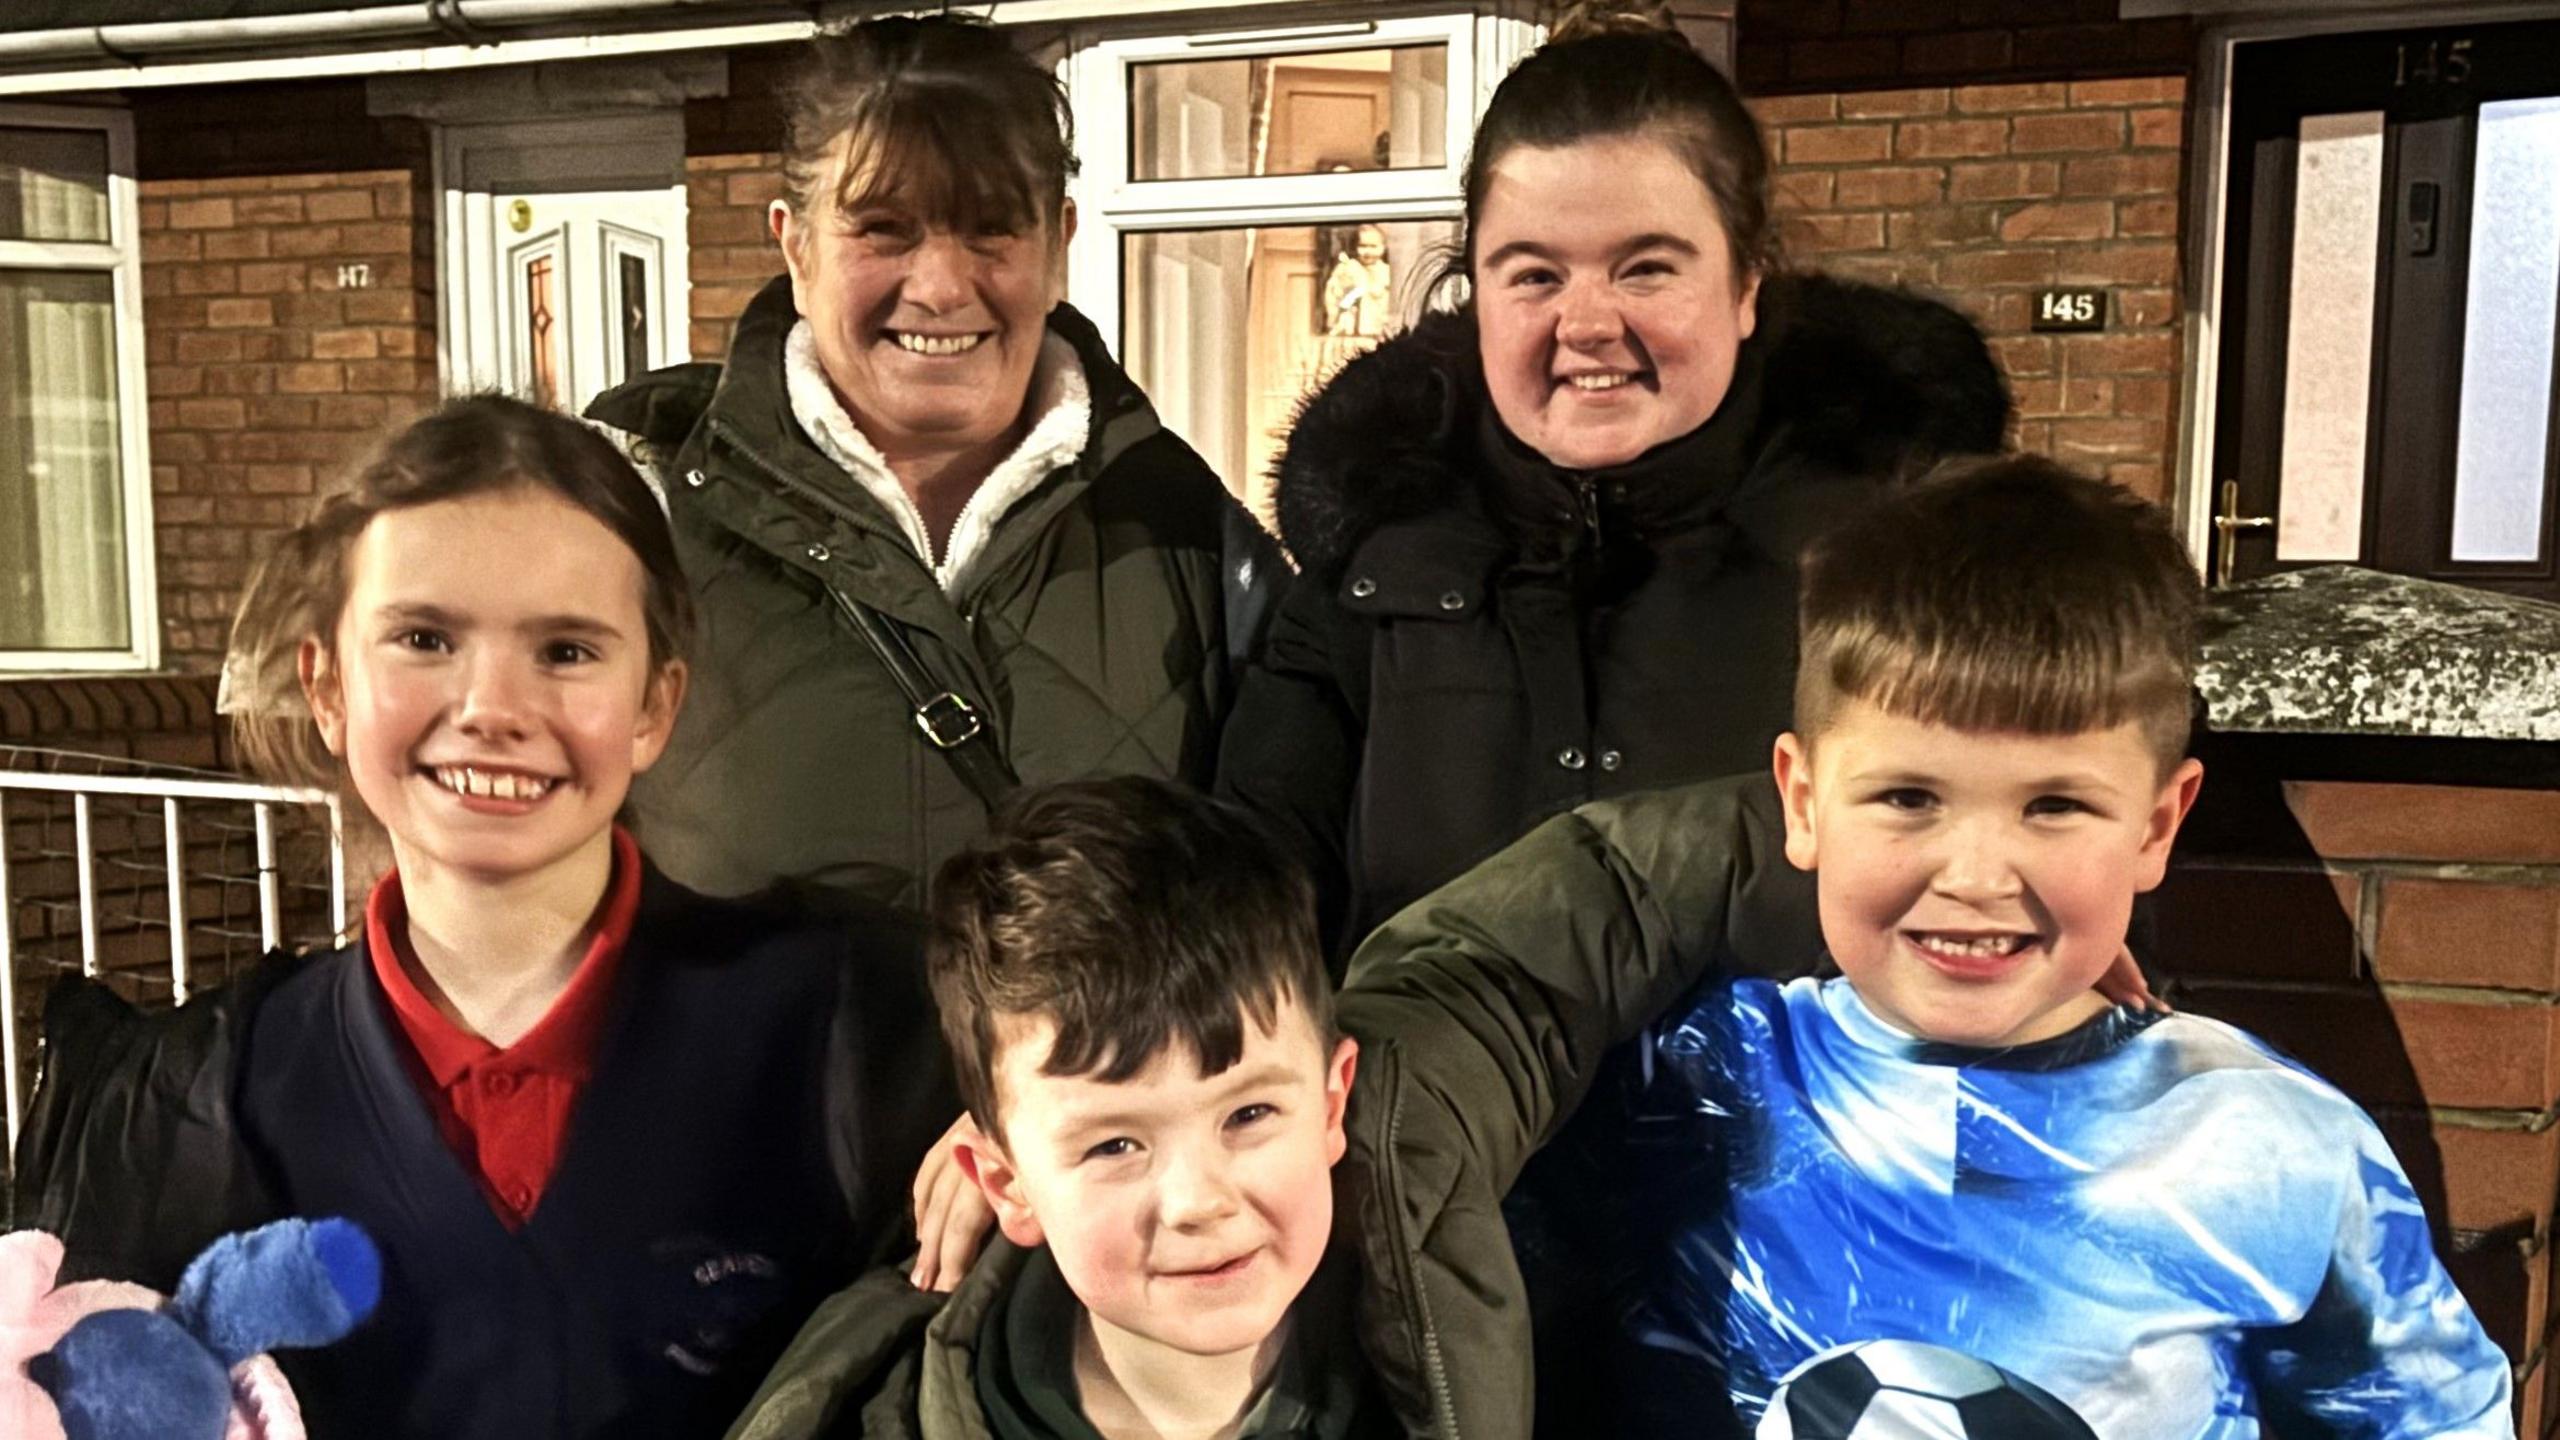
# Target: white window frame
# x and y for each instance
(119, 256)
(1481, 44)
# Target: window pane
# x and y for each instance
(53, 184)
(62, 553)
(2328, 362)
(1228, 329)
(2502, 462)
(1384, 109)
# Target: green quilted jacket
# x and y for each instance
(1483, 1011)
(1094, 632)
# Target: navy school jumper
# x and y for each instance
(762, 1094)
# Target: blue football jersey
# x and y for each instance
(2167, 1226)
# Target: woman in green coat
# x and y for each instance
(940, 542)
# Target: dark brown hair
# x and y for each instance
(943, 114)
(2003, 594)
(1133, 915)
(1615, 68)
(476, 445)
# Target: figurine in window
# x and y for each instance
(1355, 300)
(1355, 294)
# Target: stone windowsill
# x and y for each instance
(2341, 650)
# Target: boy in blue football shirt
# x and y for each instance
(1957, 1158)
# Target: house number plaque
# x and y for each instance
(2075, 309)
(2431, 62)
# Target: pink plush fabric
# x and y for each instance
(34, 1316)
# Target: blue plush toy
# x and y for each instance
(167, 1373)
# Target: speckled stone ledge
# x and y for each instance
(2341, 650)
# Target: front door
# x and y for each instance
(564, 255)
(2390, 307)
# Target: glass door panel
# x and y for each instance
(2337, 221)
(2502, 466)
(629, 316)
(541, 371)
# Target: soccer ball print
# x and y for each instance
(1907, 1390)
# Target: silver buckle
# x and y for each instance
(949, 721)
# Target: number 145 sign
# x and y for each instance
(2069, 310)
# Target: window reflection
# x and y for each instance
(1229, 329)
(1339, 110)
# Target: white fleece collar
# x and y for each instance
(1058, 395)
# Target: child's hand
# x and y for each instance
(952, 1217)
(2123, 985)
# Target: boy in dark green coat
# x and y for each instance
(1130, 982)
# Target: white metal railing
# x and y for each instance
(178, 797)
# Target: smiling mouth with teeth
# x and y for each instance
(491, 784)
(1981, 947)
(935, 344)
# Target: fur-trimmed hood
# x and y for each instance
(1856, 379)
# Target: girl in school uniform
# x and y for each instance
(614, 1139)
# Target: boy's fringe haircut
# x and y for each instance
(2003, 594)
(1134, 916)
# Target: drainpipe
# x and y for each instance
(466, 21)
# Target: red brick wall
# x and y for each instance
(267, 373)
(733, 171)
(731, 251)
(161, 719)
(1983, 193)
(2404, 941)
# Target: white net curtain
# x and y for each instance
(62, 553)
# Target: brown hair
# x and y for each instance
(1133, 915)
(942, 112)
(2003, 594)
(477, 445)
(1610, 67)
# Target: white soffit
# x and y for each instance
(278, 49)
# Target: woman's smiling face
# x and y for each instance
(1608, 312)
(929, 336)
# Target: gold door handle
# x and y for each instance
(2228, 522)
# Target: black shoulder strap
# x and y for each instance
(951, 724)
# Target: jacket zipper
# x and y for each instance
(1586, 495)
(1417, 1304)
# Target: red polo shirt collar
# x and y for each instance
(504, 1112)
